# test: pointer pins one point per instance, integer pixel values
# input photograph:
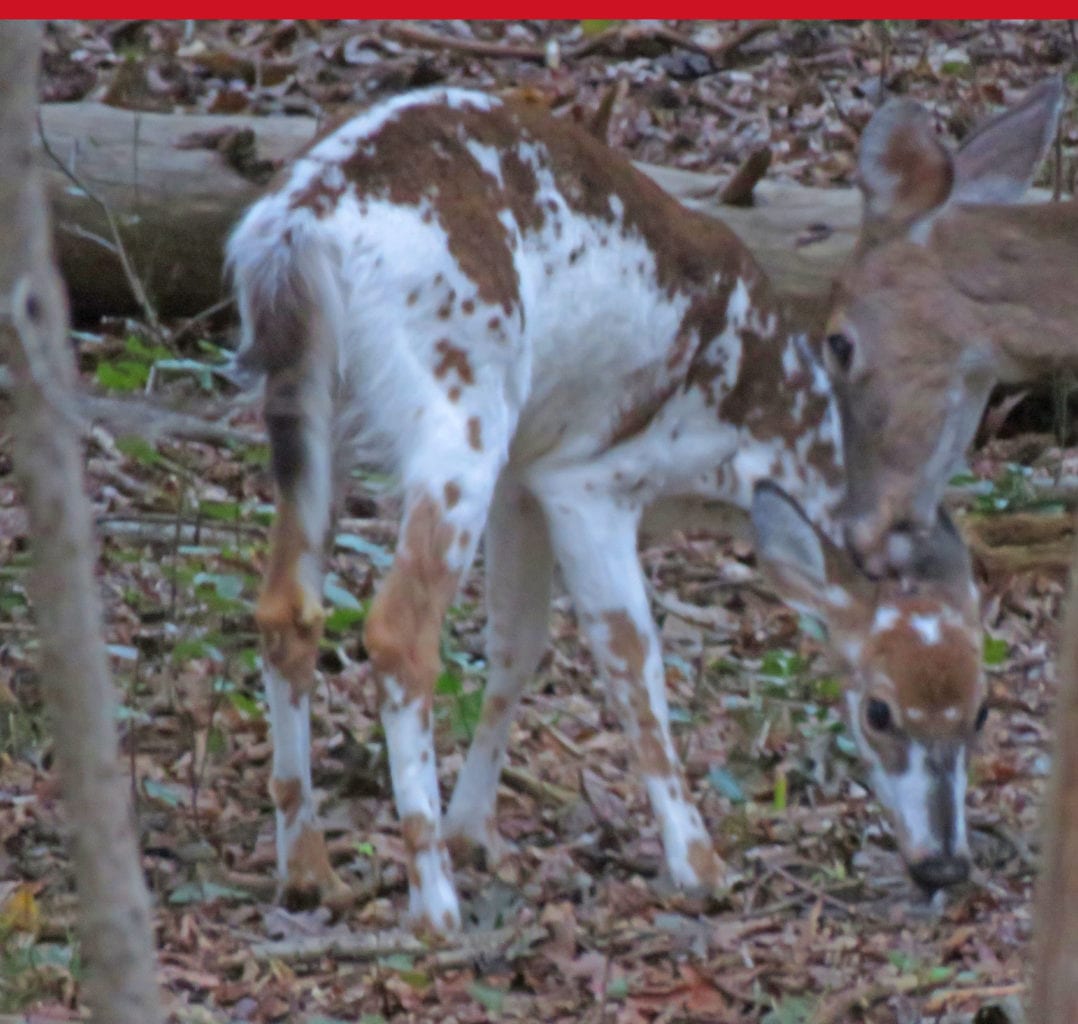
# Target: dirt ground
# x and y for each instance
(818, 922)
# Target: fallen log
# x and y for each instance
(175, 184)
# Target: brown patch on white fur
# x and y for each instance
(454, 359)
(475, 433)
(929, 677)
(706, 863)
(287, 796)
(417, 831)
(288, 615)
(495, 708)
(420, 156)
(311, 878)
(405, 620)
(629, 645)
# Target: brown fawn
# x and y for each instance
(540, 344)
(956, 286)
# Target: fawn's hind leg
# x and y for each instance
(289, 617)
(518, 564)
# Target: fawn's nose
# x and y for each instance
(939, 872)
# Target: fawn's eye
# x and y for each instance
(982, 717)
(841, 348)
(878, 715)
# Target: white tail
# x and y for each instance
(540, 344)
(951, 291)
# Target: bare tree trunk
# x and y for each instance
(117, 945)
(1055, 935)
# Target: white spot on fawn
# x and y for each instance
(927, 627)
(886, 616)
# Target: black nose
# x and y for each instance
(940, 872)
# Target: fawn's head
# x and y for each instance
(910, 342)
(912, 652)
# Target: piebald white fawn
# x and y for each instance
(956, 286)
(539, 342)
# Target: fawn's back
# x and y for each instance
(466, 246)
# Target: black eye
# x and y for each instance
(878, 715)
(842, 349)
(982, 717)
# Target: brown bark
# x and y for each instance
(1054, 997)
(114, 909)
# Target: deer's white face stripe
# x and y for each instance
(908, 795)
(958, 784)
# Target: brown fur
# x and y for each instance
(289, 617)
(630, 645)
(311, 877)
(452, 359)
(287, 796)
(475, 433)
(405, 620)
(930, 676)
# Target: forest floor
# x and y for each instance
(818, 921)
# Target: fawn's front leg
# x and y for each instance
(595, 542)
(443, 520)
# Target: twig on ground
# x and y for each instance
(938, 1001)
(866, 996)
(544, 792)
(191, 322)
(158, 528)
(613, 40)
(133, 280)
(816, 891)
(728, 47)
(508, 942)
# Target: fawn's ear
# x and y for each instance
(996, 164)
(906, 173)
(904, 170)
(808, 570)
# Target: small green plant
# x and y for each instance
(130, 370)
(461, 687)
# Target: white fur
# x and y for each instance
(290, 730)
(415, 789)
(906, 795)
(927, 627)
(909, 794)
(885, 618)
(682, 827)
